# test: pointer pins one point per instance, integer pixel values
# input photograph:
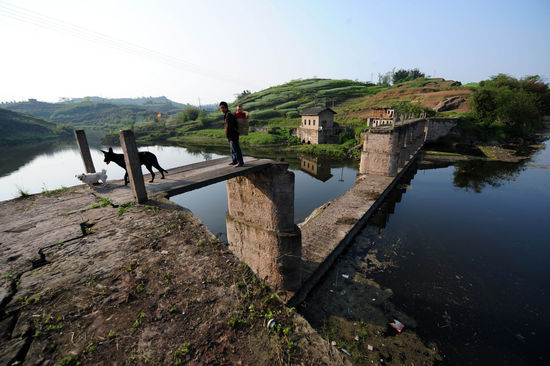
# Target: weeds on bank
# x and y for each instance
(23, 194)
(55, 191)
(139, 320)
(181, 352)
(125, 207)
(103, 202)
(259, 307)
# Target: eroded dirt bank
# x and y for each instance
(85, 282)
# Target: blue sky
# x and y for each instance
(212, 50)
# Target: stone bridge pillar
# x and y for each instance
(380, 154)
(260, 225)
(386, 151)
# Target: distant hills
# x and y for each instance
(100, 113)
(157, 104)
(17, 128)
(48, 110)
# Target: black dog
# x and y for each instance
(145, 158)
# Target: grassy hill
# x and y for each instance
(157, 104)
(101, 113)
(422, 93)
(34, 108)
(18, 128)
(275, 112)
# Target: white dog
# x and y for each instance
(91, 178)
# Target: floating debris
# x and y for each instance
(345, 351)
(271, 323)
(397, 325)
(370, 348)
(346, 276)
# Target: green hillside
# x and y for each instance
(34, 108)
(157, 104)
(287, 100)
(276, 109)
(101, 113)
(18, 128)
(275, 113)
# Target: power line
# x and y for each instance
(31, 17)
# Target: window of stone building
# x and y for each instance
(314, 122)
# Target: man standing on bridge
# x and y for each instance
(232, 134)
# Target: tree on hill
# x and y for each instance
(406, 75)
(516, 104)
(189, 114)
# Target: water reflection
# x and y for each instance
(477, 174)
(467, 268)
(14, 157)
(315, 167)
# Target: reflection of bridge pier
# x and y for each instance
(381, 216)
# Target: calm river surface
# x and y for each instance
(465, 248)
(38, 168)
(466, 251)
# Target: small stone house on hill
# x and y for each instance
(380, 116)
(318, 126)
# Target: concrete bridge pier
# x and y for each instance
(260, 225)
(387, 150)
(380, 154)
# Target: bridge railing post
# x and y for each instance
(82, 143)
(133, 165)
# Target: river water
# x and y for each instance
(464, 248)
(33, 169)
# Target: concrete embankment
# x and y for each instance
(85, 281)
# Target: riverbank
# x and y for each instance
(84, 281)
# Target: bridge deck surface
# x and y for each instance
(184, 179)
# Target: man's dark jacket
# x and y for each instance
(231, 127)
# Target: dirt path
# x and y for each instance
(85, 282)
